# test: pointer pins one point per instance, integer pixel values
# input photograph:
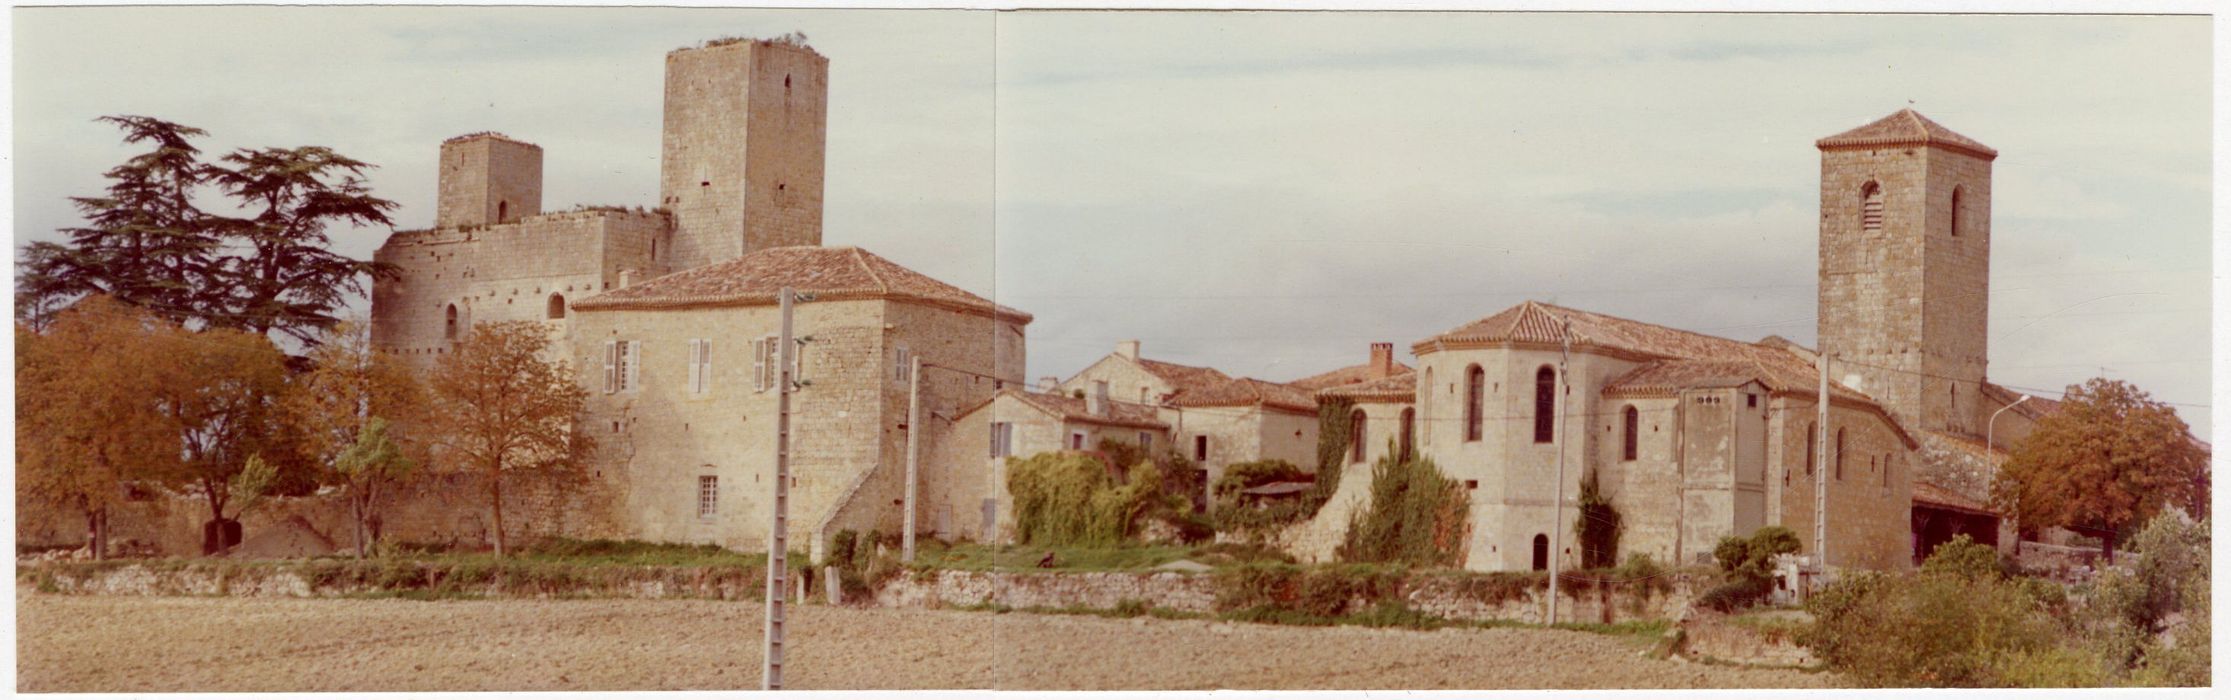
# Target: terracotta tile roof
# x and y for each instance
(1072, 409)
(1400, 388)
(1537, 323)
(1184, 378)
(1906, 128)
(2036, 408)
(1664, 377)
(829, 273)
(1929, 494)
(1346, 375)
(1249, 392)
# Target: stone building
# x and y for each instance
(1214, 418)
(967, 496)
(669, 316)
(1695, 437)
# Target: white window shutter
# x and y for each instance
(695, 369)
(705, 359)
(611, 379)
(634, 365)
(759, 365)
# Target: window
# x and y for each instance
(766, 356)
(1077, 440)
(700, 365)
(1750, 400)
(621, 360)
(708, 497)
(1408, 443)
(1627, 447)
(556, 308)
(503, 212)
(1886, 474)
(1545, 404)
(1475, 403)
(1200, 448)
(1146, 443)
(1356, 435)
(1839, 454)
(903, 364)
(1003, 439)
(1955, 227)
(449, 323)
(1541, 552)
(1870, 207)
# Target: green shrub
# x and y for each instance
(1965, 558)
(1246, 475)
(1736, 594)
(1417, 516)
(1956, 623)
(1069, 499)
(1597, 526)
(842, 547)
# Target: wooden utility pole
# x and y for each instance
(778, 539)
(913, 452)
(1557, 507)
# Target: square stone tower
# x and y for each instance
(1905, 267)
(741, 163)
(488, 178)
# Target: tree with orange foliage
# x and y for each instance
(223, 400)
(2104, 464)
(357, 413)
(500, 407)
(87, 426)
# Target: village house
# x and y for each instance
(971, 466)
(1215, 419)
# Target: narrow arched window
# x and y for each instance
(1634, 434)
(1870, 207)
(1356, 437)
(1475, 401)
(1839, 454)
(1545, 404)
(1955, 228)
(503, 212)
(1541, 552)
(449, 323)
(557, 307)
(1408, 441)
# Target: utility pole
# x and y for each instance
(1557, 507)
(778, 539)
(1820, 473)
(913, 451)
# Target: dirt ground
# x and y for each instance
(135, 644)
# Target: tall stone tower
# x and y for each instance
(1905, 266)
(741, 163)
(487, 178)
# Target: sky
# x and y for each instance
(1267, 193)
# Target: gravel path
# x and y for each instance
(136, 644)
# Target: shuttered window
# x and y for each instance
(763, 361)
(611, 366)
(1870, 207)
(700, 365)
(1003, 435)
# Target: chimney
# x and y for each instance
(1129, 349)
(1382, 360)
(1049, 385)
(1096, 403)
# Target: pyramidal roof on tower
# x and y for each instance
(831, 274)
(1907, 128)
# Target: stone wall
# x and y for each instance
(487, 179)
(1196, 593)
(1713, 636)
(1870, 506)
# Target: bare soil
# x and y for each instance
(141, 644)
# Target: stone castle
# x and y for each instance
(668, 317)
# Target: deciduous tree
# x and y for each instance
(356, 411)
(2104, 463)
(221, 393)
(500, 407)
(87, 427)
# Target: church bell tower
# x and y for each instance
(1905, 267)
